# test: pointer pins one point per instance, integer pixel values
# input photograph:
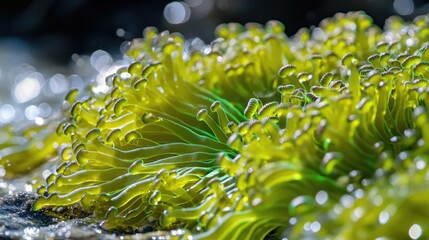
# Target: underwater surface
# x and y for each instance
(257, 135)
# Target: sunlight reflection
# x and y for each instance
(28, 88)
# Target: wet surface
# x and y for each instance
(19, 221)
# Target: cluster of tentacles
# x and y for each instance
(321, 135)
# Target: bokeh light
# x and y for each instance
(58, 84)
(177, 12)
(31, 112)
(415, 231)
(120, 32)
(28, 88)
(194, 3)
(7, 113)
(100, 60)
(200, 8)
(403, 7)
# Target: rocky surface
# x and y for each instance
(19, 221)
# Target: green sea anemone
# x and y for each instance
(24, 149)
(258, 135)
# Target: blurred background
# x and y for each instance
(50, 46)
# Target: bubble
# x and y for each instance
(415, 231)
(177, 12)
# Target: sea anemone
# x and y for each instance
(23, 149)
(257, 135)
